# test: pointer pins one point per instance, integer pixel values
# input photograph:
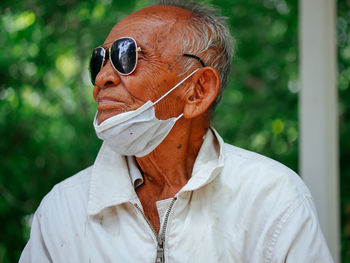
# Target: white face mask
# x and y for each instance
(136, 132)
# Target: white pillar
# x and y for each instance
(318, 113)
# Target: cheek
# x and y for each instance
(172, 104)
(150, 84)
(141, 87)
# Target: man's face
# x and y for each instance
(155, 30)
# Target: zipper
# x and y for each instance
(161, 236)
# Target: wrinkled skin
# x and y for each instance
(167, 169)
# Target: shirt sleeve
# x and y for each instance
(298, 236)
(35, 250)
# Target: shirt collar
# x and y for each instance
(110, 182)
(115, 177)
(134, 172)
(209, 162)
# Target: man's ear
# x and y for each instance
(202, 92)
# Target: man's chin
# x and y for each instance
(106, 111)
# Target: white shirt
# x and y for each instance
(238, 206)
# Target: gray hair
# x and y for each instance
(208, 37)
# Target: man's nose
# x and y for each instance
(107, 77)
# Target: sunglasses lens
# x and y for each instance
(124, 55)
(96, 63)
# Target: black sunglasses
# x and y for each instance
(123, 55)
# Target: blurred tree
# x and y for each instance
(46, 107)
(259, 108)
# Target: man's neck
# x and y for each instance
(168, 168)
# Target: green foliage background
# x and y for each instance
(46, 107)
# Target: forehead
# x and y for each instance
(154, 27)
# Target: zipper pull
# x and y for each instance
(160, 253)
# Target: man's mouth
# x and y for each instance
(107, 103)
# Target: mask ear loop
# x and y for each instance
(178, 84)
(179, 116)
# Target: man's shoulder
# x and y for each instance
(260, 173)
(78, 180)
(238, 156)
(74, 188)
(272, 203)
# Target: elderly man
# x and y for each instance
(164, 186)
